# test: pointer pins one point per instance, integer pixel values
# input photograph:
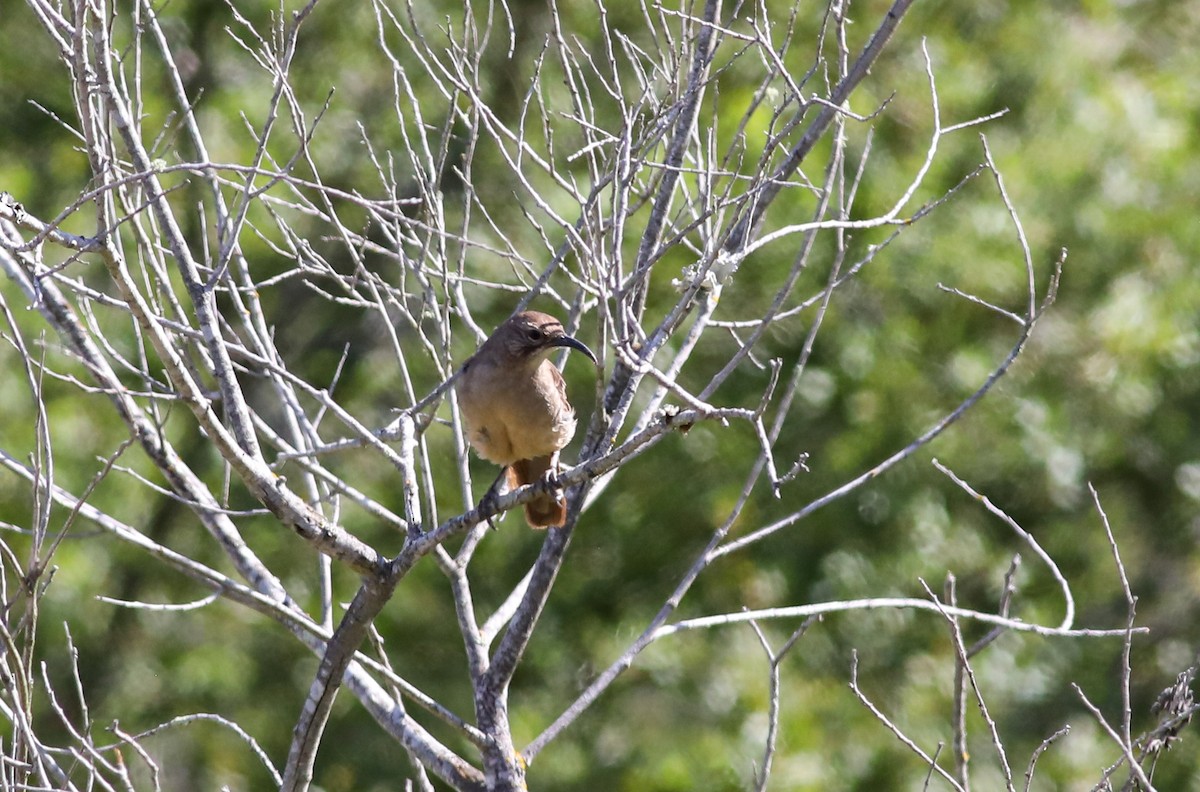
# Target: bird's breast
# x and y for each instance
(513, 414)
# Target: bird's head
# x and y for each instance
(532, 335)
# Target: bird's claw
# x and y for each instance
(488, 507)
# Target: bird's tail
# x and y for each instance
(544, 511)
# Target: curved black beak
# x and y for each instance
(568, 341)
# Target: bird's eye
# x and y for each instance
(533, 334)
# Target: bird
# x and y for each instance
(515, 409)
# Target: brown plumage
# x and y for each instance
(515, 406)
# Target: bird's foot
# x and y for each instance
(487, 509)
(488, 506)
(550, 484)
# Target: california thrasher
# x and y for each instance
(514, 404)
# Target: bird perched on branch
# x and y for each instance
(514, 403)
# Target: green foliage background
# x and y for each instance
(1100, 152)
